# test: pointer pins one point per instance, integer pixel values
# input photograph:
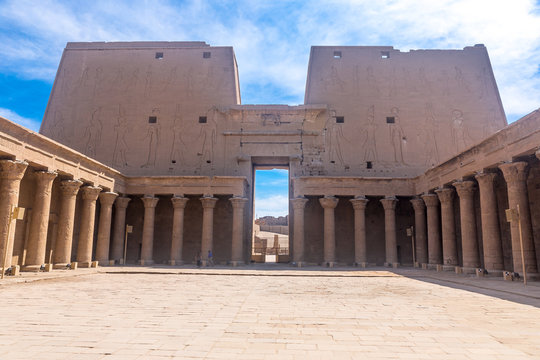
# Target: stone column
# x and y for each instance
(389, 204)
(120, 205)
(88, 216)
(106, 200)
(11, 174)
(238, 204)
(64, 240)
(207, 241)
(515, 175)
(298, 230)
(491, 236)
(147, 249)
(179, 204)
(329, 203)
(420, 230)
(433, 228)
(465, 190)
(446, 197)
(39, 224)
(360, 247)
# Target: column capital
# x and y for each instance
(485, 178)
(359, 202)
(238, 202)
(107, 198)
(45, 176)
(208, 202)
(70, 187)
(430, 200)
(179, 202)
(299, 202)
(149, 201)
(445, 194)
(12, 169)
(121, 202)
(515, 171)
(418, 204)
(389, 202)
(329, 202)
(90, 192)
(464, 187)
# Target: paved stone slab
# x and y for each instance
(159, 313)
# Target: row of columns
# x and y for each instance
(515, 175)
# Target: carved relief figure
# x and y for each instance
(131, 81)
(207, 139)
(370, 146)
(190, 82)
(427, 137)
(396, 136)
(152, 136)
(148, 82)
(334, 81)
(482, 79)
(178, 145)
(93, 133)
(170, 80)
(56, 127)
(459, 133)
(333, 137)
(97, 80)
(121, 147)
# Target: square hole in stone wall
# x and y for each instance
(159, 55)
(152, 119)
(369, 165)
(385, 54)
(202, 119)
(337, 54)
(206, 55)
(390, 120)
(340, 119)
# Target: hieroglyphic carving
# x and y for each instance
(396, 136)
(121, 147)
(152, 136)
(459, 131)
(92, 133)
(190, 82)
(207, 138)
(369, 144)
(178, 144)
(56, 127)
(333, 135)
(427, 137)
(148, 82)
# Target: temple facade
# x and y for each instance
(395, 158)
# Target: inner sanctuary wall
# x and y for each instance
(154, 135)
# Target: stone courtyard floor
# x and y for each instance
(265, 312)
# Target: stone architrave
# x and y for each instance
(299, 205)
(433, 229)
(64, 240)
(389, 204)
(238, 204)
(420, 230)
(446, 197)
(515, 175)
(147, 248)
(207, 238)
(39, 223)
(360, 247)
(491, 236)
(88, 215)
(465, 190)
(11, 174)
(329, 203)
(119, 229)
(106, 200)
(179, 204)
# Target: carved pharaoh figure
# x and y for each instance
(369, 144)
(93, 133)
(459, 135)
(396, 136)
(120, 147)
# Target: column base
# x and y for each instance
(329, 264)
(146, 262)
(31, 268)
(416, 264)
(392, 265)
(424, 266)
(432, 266)
(85, 264)
(176, 262)
(237, 263)
(61, 266)
(74, 265)
(495, 273)
(508, 276)
(362, 265)
(449, 267)
(480, 272)
(469, 270)
(14, 270)
(299, 263)
(458, 269)
(121, 262)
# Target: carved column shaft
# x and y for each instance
(446, 197)
(207, 241)
(389, 204)
(119, 229)
(329, 203)
(515, 175)
(39, 223)
(238, 205)
(420, 230)
(88, 216)
(491, 236)
(298, 246)
(11, 174)
(465, 190)
(360, 247)
(433, 228)
(179, 204)
(66, 220)
(106, 200)
(147, 247)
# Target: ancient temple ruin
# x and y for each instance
(154, 135)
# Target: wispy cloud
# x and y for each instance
(31, 124)
(277, 205)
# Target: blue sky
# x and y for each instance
(271, 39)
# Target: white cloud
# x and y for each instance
(31, 124)
(277, 205)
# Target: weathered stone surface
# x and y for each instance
(66, 219)
(465, 190)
